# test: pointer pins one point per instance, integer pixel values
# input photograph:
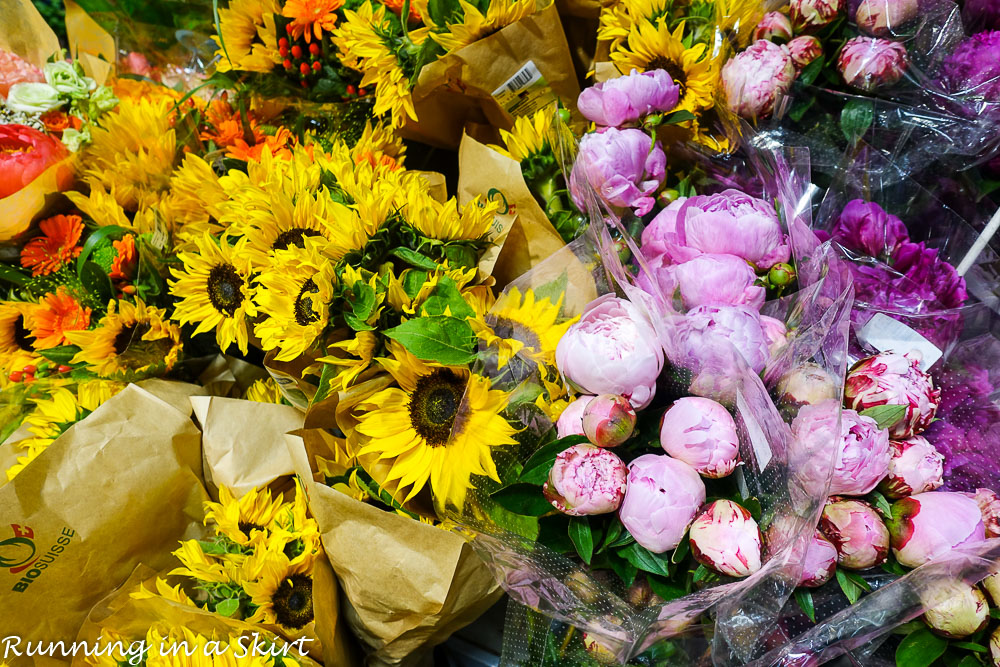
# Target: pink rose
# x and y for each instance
(928, 525)
(754, 79)
(570, 422)
(893, 379)
(661, 499)
(701, 433)
(915, 467)
(725, 538)
(868, 63)
(586, 480)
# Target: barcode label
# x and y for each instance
(886, 334)
(525, 92)
(522, 79)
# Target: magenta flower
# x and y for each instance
(661, 500)
(865, 227)
(623, 167)
(773, 26)
(915, 467)
(629, 98)
(868, 63)
(570, 422)
(707, 280)
(807, 14)
(935, 278)
(701, 433)
(856, 530)
(973, 68)
(803, 50)
(725, 538)
(754, 79)
(612, 349)
(608, 420)
(928, 525)
(586, 480)
(893, 379)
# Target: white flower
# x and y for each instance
(33, 97)
(68, 79)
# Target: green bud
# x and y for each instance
(781, 275)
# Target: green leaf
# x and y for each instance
(666, 590)
(553, 290)
(856, 118)
(622, 540)
(881, 504)
(227, 607)
(893, 567)
(113, 232)
(582, 536)
(413, 281)
(97, 282)
(800, 108)
(62, 354)
(524, 499)
(681, 551)
(613, 533)
(920, 649)
(525, 526)
(804, 598)
(994, 612)
(700, 573)
(851, 590)
(12, 275)
(625, 570)
(414, 258)
(885, 415)
(446, 340)
(536, 468)
(357, 324)
(969, 661)
(811, 71)
(859, 581)
(677, 117)
(445, 299)
(647, 561)
(363, 301)
(970, 646)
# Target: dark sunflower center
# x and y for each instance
(510, 329)
(304, 313)
(130, 334)
(293, 237)
(21, 333)
(292, 602)
(247, 526)
(225, 289)
(434, 405)
(519, 367)
(675, 71)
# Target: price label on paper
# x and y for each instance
(289, 389)
(887, 334)
(525, 92)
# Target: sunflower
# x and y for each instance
(294, 294)
(352, 356)
(399, 299)
(56, 315)
(247, 36)
(436, 428)
(445, 221)
(196, 194)
(55, 247)
(264, 391)
(475, 25)
(101, 205)
(165, 591)
(245, 520)
(214, 292)
(311, 17)
(131, 342)
(524, 328)
(653, 46)
(379, 146)
(736, 20)
(16, 350)
(283, 594)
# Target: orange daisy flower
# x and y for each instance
(311, 17)
(57, 313)
(276, 143)
(56, 246)
(223, 124)
(124, 264)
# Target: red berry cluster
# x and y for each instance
(30, 373)
(301, 57)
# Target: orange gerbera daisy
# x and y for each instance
(223, 124)
(126, 259)
(276, 143)
(56, 246)
(311, 17)
(57, 313)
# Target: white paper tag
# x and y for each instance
(887, 334)
(290, 389)
(525, 92)
(758, 441)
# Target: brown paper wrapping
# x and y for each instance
(457, 89)
(119, 488)
(26, 33)
(90, 43)
(418, 583)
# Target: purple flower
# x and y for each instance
(868, 63)
(622, 166)
(773, 26)
(629, 98)
(882, 17)
(979, 15)
(973, 68)
(754, 79)
(701, 433)
(661, 500)
(586, 480)
(928, 525)
(865, 227)
(707, 280)
(936, 278)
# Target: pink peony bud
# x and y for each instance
(995, 646)
(754, 79)
(893, 379)
(915, 467)
(862, 457)
(804, 50)
(608, 420)
(661, 499)
(627, 99)
(774, 26)
(820, 562)
(867, 63)
(701, 433)
(930, 524)
(879, 18)
(991, 585)
(960, 615)
(725, 538)
(586, 480)
(570, 422)
(806, 384)
(856, 530)
(612, 349)
(807, 14)
(989, 506)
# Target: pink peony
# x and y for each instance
(608, 420)
(804, 50)
(725, 538)
(627, 99)
(856, 530)
(661, 232)
(820, 562)
(570, 422)
(701, 433)
(586, 480)
(773, 26)
(928, 525)
(661, 499)
(623, 167)
(775, 333)
(915, 467)
(964, 613)
(868, 63)
(880, 18)
(754, 79)
(807, 14)
(708, 280)
(612, 349)
(989, 506)
(708, 332)
(890, 378)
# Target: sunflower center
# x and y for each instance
(304, 313)
(130, 334)
(225, 289)
(675, 71)
(134, 353)
(292, 602)
(505, 328)
(21, 334)
(293, 237)
(434, 405)
(247, 526)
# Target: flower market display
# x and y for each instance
(669, 329)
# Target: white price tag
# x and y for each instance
(525, 92)
(887, 334)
